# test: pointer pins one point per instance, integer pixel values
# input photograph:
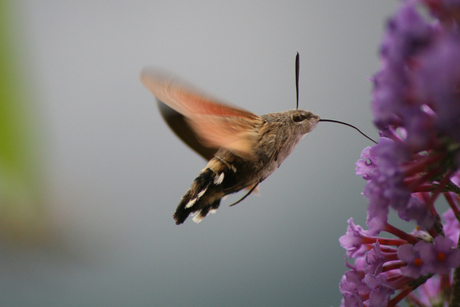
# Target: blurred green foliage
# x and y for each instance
(22, 216)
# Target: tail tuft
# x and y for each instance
(203, 196)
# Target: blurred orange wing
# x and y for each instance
(216, 124)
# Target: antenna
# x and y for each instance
(297, 70)
(346, 124)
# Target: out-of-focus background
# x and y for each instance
(90, 175)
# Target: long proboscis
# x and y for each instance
(347, 124)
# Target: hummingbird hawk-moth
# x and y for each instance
(243, 148)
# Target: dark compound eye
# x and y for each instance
(299, 117)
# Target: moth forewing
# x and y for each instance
(181, 127)
(234, 133)
(216, 124)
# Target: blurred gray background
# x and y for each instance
(116, 172)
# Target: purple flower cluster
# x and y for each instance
(383, 265)
(416, 107)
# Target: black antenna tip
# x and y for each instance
(297, 70)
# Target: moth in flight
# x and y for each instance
(243, 148)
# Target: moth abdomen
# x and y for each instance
(204, 196)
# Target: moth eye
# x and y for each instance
(298, 117)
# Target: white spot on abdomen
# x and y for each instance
(218, 180)
(201, 193)
(197, 218)
(190, 203)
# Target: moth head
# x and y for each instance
(304, 121)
